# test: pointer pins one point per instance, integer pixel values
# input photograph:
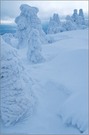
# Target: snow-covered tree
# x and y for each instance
(56, 18)
(54, 24)
(81, 17)
(69, 24)
(34, 47)
(75, 16)
(16, 100)
(10, 39)
(81, 13)
(26, 21)
(7, 37)
(68, 18)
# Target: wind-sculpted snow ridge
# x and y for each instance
(26, 21)
(17, 100)
(75, 111)
(34, 54)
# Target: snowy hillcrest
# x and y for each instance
(44, 77)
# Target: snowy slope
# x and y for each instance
(61, 83)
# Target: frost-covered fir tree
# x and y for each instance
(69, 24)
(81, 17)
(54, 24)
(81, 13)
(27, 20)
(34, 47)
(56, 18)
(16, 100)
(75, 17)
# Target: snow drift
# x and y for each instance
(75, 111)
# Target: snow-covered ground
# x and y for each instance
(60, 86)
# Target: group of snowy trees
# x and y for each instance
(78, 18)
(15, 102)
(72, 22)
(55, 25)
(31, 35)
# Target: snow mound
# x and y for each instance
(86, 132)
(17, 100)
(75, 111)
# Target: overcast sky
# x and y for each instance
(10, 9)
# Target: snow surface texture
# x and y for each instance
(78, 116)
(34, 47)
(26, 21)
(16, 96)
